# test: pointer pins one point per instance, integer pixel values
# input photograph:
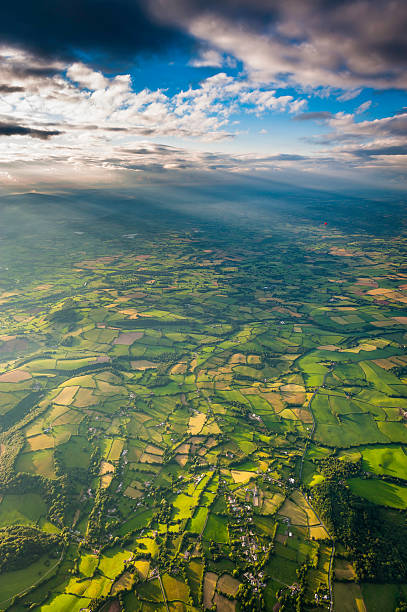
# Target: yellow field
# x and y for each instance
(115, 450)
(240, 476)
(196, 423)
(105, 480)
(106, 468)
(85, 398)
(183, 449)
(81, 381)
(179, 368)
(318, 533)
(143, 567)
(149, 458)
(66, 396)
(40, 442)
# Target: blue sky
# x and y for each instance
(114, 93)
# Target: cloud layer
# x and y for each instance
(313, 43)
(68, 90)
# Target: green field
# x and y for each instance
(24, 509)
(380, 492)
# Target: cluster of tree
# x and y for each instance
(377, 547)
(66, 314)
(164, 512)
(294, 597)
(75, 475)
(94, 463)
(11, 445)
(20, 546)
(399, 371)
(164, 558)
(57, 493)
(248, 600)
(97, 603)
(22, 408)
(97, 517)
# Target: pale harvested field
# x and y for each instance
(385, 323)
(228, 584)
(154, 450)
(223, 604)
(341, 252)
(238, 358)
(275, 400)
(344, 570)
(209, 586)
(133, 493)
(143, 364)
(302, 415)
(328, 347)
(296, 515)
(103, 359)
(148, 458)
(132, 313)
(181, 459)
(183, 449)
(386, 364)
(128, 338)
(15, 376)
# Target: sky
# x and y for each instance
(98, 93)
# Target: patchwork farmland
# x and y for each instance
(204, 417)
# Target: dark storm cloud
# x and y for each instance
(287, 157)
(10, 88)
(385, 150)
(316, 42)
(313, 116)
(13, 129)
(68, 29)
